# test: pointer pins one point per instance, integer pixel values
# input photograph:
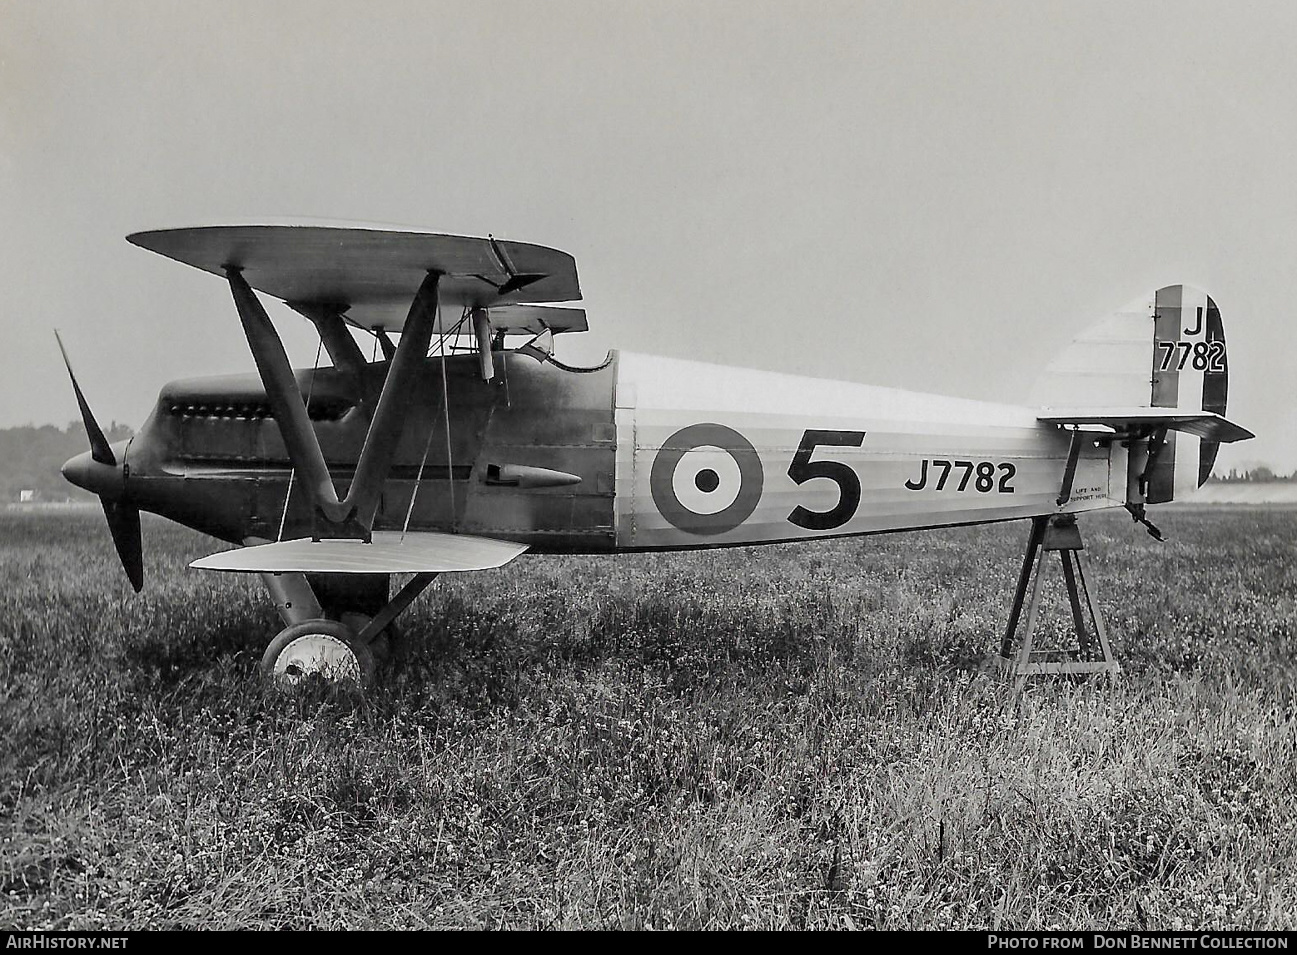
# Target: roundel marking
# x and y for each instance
(706, 479)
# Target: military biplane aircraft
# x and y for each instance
(461, 457)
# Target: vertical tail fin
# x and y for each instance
(1163, 350)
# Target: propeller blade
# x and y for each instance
(123, 517)
(99, 449)
(124, 525)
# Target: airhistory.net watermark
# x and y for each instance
(38, 940)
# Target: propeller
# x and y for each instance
(99, 472)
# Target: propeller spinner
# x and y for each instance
(102, 471)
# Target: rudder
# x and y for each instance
(1190, 372)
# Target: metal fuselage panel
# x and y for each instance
(713, 456)
(670, 454)
(211, 457)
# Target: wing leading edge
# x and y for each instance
(389, 553)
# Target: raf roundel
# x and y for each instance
(706, 479)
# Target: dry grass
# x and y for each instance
(786, 737)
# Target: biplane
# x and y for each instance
(463, 442)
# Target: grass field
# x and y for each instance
(787, 737)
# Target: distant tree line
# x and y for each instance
(1257, 475)
(30, 458)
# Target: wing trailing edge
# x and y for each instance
(390, 552)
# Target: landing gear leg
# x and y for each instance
(294, 597)
(347, 648)
(354, 600)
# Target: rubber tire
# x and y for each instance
(362, 655)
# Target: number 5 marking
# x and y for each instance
(803, 469)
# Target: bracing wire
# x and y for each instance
(445, 406)
(427, 447)
(418, 480)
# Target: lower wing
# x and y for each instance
(390, 552)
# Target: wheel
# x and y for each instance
(324, 650)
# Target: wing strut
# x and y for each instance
(342, 348)
(482, 336)
(353, 515)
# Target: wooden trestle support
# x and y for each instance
(1093, 654)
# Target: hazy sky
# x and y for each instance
(927, 195)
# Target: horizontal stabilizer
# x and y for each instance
(1203, 424)
(389, 553)
(371, 274)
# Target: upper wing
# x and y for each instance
(1204, 424)
(374, 272)
(390, 553)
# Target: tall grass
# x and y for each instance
(783, 737)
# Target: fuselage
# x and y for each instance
(640, 453)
